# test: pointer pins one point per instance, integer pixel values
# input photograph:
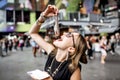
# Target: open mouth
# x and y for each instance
(57, 37)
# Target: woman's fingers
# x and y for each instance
(51, 11)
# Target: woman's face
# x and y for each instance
(67, 40)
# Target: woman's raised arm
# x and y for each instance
(50, 11)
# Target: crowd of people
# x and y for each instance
(99, 44)
(102, 44)
(14, 43)
(11, 44)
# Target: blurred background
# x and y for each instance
(96, 20)
(92, 16)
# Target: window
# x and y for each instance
(73, 16)
(18, 16)
(9, 15)
(26, 16)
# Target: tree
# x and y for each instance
(52, 2)
(73, 5)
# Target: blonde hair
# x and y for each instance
(80, 48)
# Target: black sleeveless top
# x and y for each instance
(63, 72)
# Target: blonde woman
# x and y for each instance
(65, 54)
(103, 44)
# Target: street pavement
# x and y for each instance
(16, 65)
(94, 70)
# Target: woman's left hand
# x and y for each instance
(49, 78)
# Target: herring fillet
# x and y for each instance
(56, 26)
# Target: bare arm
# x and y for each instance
(50, 11)
(76, 75)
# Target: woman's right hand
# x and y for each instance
(50, 11)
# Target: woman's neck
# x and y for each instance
(61, 55)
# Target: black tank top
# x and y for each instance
(63, 71)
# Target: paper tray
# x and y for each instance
(38, 74)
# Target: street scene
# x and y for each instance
(16, 65)
(60, 39)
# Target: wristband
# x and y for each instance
(43, 17)
(38, 22)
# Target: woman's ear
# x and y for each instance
(71, 50)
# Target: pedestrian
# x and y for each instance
(1, 52)
(65, 54)
(34, 47)
(89, 46)
(6, 43)
(10, 45)
(21, 43)
(103, 45)
(112, 44)
(117, 37)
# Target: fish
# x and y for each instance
(56, 27)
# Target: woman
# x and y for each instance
(103, 44)
(64, 54)
(89, 46)
(34, 47)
